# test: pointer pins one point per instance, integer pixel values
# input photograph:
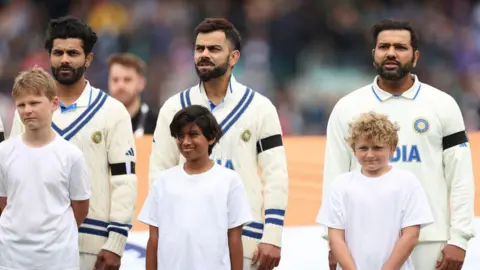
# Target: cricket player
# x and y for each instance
(252, 138)
(126, 82)
(433, 144)
(100, 126)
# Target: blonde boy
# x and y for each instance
(44, 187)
(374, 213)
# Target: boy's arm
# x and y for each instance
(3, 192)
(403, 248)
(273, 166)
(239, 213)
(235, 247)
(80, 210)
(149, 216)
(458, 169)
(152, 246)
(79, 189)
(340, 250)
(17, 125)
(164, 153)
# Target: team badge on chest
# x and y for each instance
(421, 125)
(246, 135)
(97, 137)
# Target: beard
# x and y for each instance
(68, 79)
(400, 72)
(207, 75)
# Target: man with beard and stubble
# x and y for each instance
(433, 144)
(252, 138)
(126, 81)
(100, 126)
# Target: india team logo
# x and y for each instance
(97, 137)
(421, 125)
(246, 135)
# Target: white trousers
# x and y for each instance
(426, 254)
(87, 261)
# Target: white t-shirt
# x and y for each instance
(193, 214)
(373, 211)
(38, 228)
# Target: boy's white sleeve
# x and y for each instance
(79, 184)
(273, 166)
(458, 170)
(17, 125)
(149, 212)
(120, 144)
(239, 210)
(165, 154)
(417, 209)
(3, 184)
(332, 212)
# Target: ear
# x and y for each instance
(373, 52)
(416, 55)
(88, 59)
(142, 83)
(212, 141)
(234, 57)
(55, 103)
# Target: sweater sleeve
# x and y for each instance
(123, 181)
(458, 170)
(273, 165)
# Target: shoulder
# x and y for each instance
(342, 181)
(227, 175)
(405, 176)
(440, 96)
(9, 145)
(68, 148)
(354, 96)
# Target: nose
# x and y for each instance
(391, 53)
(370, 153)
(65, 59)
(186, 141)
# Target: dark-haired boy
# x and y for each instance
(196, 210)
(100, 126)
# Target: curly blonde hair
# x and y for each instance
(374, 127)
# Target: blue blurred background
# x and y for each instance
(303, 54)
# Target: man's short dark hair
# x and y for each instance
(70, 27)
(390, 24)
(220, 24)
(202, 117)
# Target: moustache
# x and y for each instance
(391, 61)
(205, 62)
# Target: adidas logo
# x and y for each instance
(463, 145)
(130, 152)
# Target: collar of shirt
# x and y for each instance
(83, 100)
(411, 93)
(232, 86)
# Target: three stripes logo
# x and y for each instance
(130, 152)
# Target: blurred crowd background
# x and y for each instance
(303, 54)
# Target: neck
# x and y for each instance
(38, 137)
(134, 106)
(216, 89)
(396, 87)
(376, 173)
(68, 94)
(198, 166)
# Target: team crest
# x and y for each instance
(246, 135)
(97, 137)
(421, 125)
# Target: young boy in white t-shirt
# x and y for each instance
(44, 186)
(374, 214)
(196, 210)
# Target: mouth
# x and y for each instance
(186, 150)
(390, 65)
